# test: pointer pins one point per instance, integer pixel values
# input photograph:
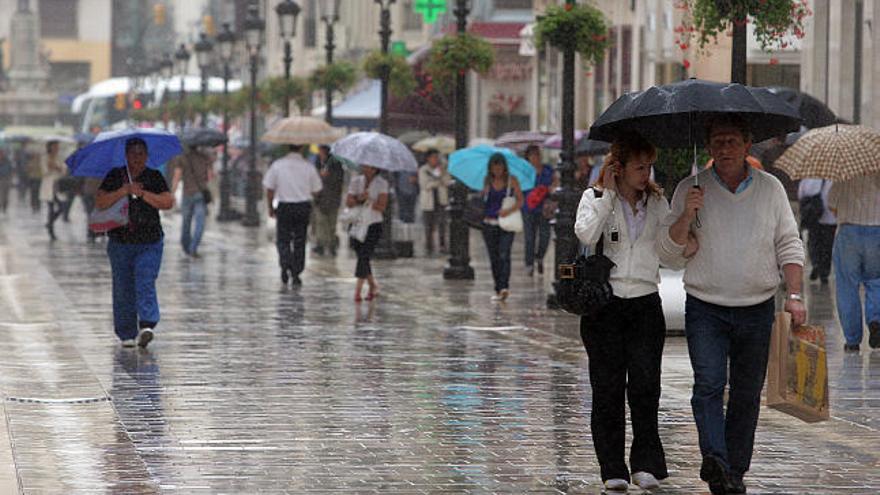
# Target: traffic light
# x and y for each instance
(159, 14)
(137, 104)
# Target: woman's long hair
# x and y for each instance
(622, 150)
(496, 158)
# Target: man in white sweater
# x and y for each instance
(741, 219)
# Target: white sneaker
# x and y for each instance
(128, 343)
(645, 480)
(497, 297)
(144, 337)
(616, 485)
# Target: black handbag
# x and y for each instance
(584, 288)
(206, 196)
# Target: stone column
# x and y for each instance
(841, 66)
(874, 54)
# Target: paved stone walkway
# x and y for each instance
(254, 388)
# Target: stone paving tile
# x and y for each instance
(251, 388)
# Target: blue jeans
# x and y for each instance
(535, 225)
(856, 257)
(194, 208)
(498, 243)
(718, 336)
(135, 268)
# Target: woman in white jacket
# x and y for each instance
(624, 340)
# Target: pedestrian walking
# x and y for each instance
(52, 169)
(407, 189)
(434, 181)
(34, 172)
(746, 232)
(195, 169)
(369, 191)
(328, 201)
(536, 221)
(624, 340)
(135, 250)
(6, 172)
(294, 183)
(821, 228)
(499, 184)
(856, 257)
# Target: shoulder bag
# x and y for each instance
(113, 217)
(583, 287)
(514, 221)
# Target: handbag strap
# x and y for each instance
(600, 246)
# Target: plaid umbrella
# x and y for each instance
(837, 152)
(520, 140)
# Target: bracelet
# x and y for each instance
(795, 297)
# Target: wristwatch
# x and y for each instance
(795, 297)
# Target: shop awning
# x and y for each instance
(360, 109)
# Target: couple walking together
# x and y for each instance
(732, 235)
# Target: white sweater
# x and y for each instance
(638, 264)
(744, 240)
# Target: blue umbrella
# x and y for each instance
(107, 151)
(470, 165)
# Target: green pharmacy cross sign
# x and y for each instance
(430, 9)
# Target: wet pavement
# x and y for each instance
(250, 387)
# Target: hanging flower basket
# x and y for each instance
(776, 22)
(277, 90)
(401, 81)
(456, 54)
(339, 76)
(579, 27)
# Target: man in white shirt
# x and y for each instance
(294, 182)
(741, 219)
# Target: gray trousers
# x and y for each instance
(325, 228)
(434, 220)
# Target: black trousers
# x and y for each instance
(624, 343)
(291, 227)
(365, 250)
(819, 244)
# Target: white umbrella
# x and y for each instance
(443, 144)
(376, 150)
(301, 130)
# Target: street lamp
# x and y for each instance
(204, 49)
(253, 39)
(385, 247)
(459, 267)
(566, 195)
(166, 70)
(181, 59)
(330, 16)
(287, 11)
(226, 43)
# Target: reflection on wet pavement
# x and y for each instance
(254, 388)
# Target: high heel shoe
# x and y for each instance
(373, 294)
(357, 297)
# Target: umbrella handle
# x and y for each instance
(697, 223)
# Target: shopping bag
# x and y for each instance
(797, 371)
(101, 221)
(513, 222)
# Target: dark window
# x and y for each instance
(412, 20)
(513, 4)
(311, 25)
(58, 18)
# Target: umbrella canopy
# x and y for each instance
(555, 141)
(675, 115)
(837, 152)
(411, 137)
(591, 147)
(813, 112)
(443, 144)
(471, 165)
(203, 136)
(107, 151)
(376, 150)
(520, 140)
(302, 130)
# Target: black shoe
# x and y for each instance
(540, 268)
(736, 484)
(296, 280)
(850, 347)
(285, 276)
(874, 338)
(715, 474)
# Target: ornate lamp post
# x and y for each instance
(166, 70)
(253, 38)
(181, 59)
(385, 248)
(204, 49)
(566, 195)
(330, 16)
(287, 11)
(226, 43)
(459, 267)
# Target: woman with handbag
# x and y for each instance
(502, 199)
(624, 339)
(135, 249)
(370, 192)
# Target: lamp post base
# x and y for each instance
(250, 221)
(228, 216)
(458, 271)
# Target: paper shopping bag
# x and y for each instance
(797, 371)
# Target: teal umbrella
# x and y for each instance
(470, 166)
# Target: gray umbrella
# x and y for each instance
(203, 136)
(377, 150)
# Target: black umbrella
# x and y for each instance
(203, 136)
(675, 115)
(813, 112)
(591, 147)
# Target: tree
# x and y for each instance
(777, 23)
(401, 80)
